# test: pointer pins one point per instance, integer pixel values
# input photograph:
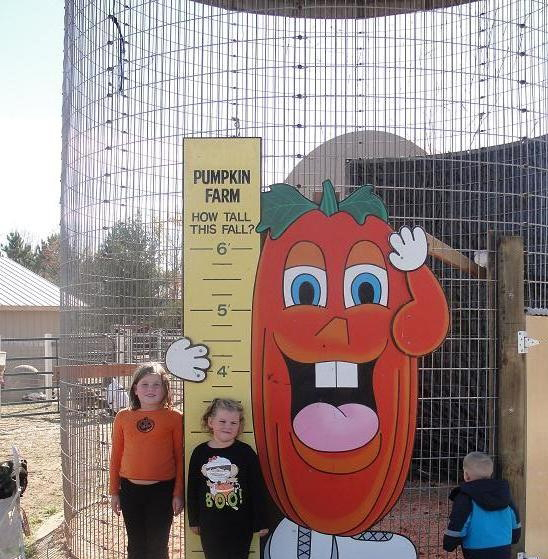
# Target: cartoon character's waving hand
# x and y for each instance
(410, 249)
(187, 361)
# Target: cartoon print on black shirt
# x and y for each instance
(224, 489)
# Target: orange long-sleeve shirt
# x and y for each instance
(147, 445)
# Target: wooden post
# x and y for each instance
(512, 434)
(492, 386)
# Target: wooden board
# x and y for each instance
(536, 539)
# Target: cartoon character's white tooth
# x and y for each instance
(347, 374)
(326, 374)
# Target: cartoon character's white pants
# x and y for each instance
(291, 541)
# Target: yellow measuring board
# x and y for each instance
(221, 194)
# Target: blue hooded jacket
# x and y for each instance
(484, 520)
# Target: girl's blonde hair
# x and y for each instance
(143, 371)
(222, 404)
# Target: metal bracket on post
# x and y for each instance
(524, 342)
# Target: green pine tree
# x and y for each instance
(20, 250)
(46, 258)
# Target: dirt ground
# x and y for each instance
(37, 439)
(418, 514)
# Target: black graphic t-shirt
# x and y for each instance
(226, 492)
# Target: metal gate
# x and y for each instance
(29, 385)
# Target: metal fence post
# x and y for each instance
(48, 365)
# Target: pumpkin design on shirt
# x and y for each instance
(145, 425)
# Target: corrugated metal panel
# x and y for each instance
(20, 287)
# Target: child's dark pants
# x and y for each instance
(225, 546)
(148, 514)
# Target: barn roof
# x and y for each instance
(20, 287)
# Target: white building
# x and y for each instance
(29, 308)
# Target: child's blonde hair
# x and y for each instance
(222, 404)
(478, 465)
(143, 371)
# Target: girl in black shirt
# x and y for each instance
(226, 496)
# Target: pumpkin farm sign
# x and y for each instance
(342, 308)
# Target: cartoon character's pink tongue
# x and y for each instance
(328, 428)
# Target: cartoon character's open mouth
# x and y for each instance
(332, 404)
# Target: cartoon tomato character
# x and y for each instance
(342, 308)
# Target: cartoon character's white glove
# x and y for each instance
(187, 361)
(410, 249)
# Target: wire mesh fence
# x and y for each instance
(88, 406)
(441, 106)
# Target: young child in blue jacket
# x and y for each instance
(484, 521)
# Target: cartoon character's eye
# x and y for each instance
(365, 283)
(305, 285)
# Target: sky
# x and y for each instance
(31, 75)
(31, 59)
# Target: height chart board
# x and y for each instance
(222, 185)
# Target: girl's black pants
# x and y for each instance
(148, 515)
(217, 544)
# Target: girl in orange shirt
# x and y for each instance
(146, 465)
